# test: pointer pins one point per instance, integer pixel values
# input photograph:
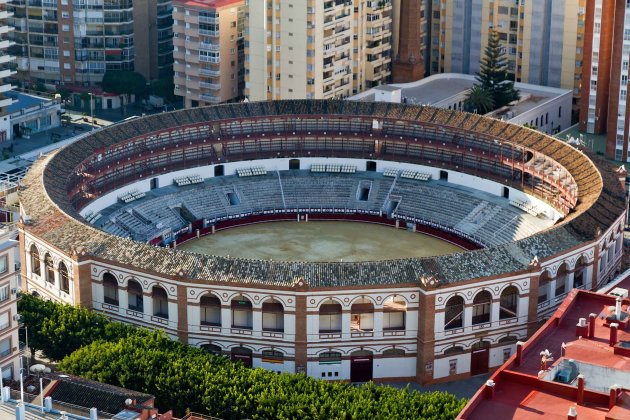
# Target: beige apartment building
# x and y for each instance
(207, 51)
(543, 39)
(316, 49)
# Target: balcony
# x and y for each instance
(210, 98)
(208, 32)
(209, 72)
(212, 86)
(209, 47)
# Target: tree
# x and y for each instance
(479, 100)
(124, 82)
(86, 98)
(493, 75)
(64, 94)
(165, 88)
(184, 377)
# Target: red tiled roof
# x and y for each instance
(520, 394)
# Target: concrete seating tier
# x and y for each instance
(489, 219)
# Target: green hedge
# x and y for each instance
(187, 378)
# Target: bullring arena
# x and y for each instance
(526, 217)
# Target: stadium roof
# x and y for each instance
(53, 218)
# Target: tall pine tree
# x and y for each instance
(493, 75)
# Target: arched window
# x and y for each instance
(160, 302)
(110, 289)
(64, 278)
(578, 276)
(561, 280)
(394, 313)
(210, 310)
(508, 303)
(242, 313)
(272, 356)
(134, 292)
(394, 353)
(50, 269)
(453, 350)
(36, 267)
(272, 316)
(330, 358)
(454, 314)
(480, 345)
(543, 287)
(508, 339)
(329, 317)
(481, 307)
(362, 315)
(212, 349)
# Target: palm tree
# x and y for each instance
(479, 100)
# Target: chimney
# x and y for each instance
(408, 64)
(519, 352)
(591, 325)
(580, 389)
(612, 399)
(581, 329)
(490, 384)
(618, 308)
(613, 334)
(572, 413)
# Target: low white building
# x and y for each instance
(29, 114)
(546, 108)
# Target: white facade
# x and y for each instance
(330, 355)
(548, 109)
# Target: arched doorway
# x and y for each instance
(243, 355)
(479, 357)
(361, 366)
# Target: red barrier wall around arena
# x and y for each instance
(349, 217)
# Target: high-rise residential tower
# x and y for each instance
(6, 70)
(207, 48)
(316, 49)
(71, 42)
(543, 39)
(603, 107)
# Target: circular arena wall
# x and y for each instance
(424, 319)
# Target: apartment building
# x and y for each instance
(603, 108)
(74, 42)
(10, 321)
(316, 49)
(543, 39)
(6, 61)
(208, 51)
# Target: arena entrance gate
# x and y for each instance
(479, 357)
(361, 366)
(243, 355)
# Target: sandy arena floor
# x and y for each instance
(319, 241)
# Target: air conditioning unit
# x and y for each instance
(15, 291)
(17, 317)
(619, 292)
